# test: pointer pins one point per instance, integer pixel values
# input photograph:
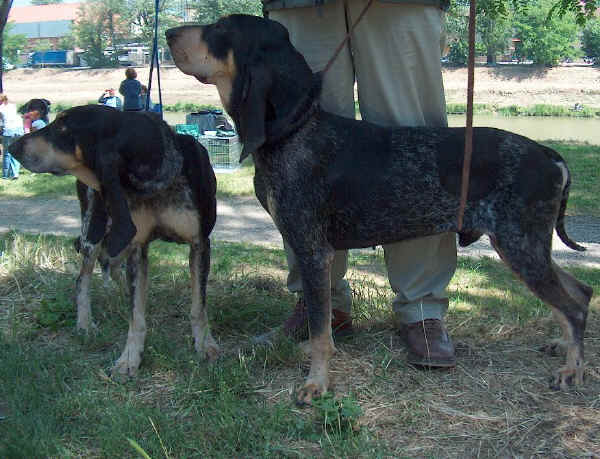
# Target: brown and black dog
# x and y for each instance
(110, 151)
(335, 183)
(184, 211)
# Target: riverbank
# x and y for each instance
(501, 86)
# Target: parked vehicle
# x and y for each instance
(130, 53)
(52, 58)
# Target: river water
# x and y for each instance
(537, 128)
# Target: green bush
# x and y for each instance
(590, 41)
(545, 41)
(459, 52)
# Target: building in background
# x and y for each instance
(43, 22)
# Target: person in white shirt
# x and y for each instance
(12, 129)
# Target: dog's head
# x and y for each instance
(261, 78)
(41, 105)
(57, 148)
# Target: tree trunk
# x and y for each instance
(4, 10)
(491, 58)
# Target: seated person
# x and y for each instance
(109, 99)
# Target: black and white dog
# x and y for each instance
(334, 183)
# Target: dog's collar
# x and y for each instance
(280, 129)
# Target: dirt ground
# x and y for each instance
(242, 219)
(502, 85)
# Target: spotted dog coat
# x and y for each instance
(332, 183)
(183, 212)
(110, 151)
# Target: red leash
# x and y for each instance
(469, 127)
(347, 37)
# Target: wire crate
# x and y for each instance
(224, 152)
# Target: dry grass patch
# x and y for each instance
(58, 399)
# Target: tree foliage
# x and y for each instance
(581, 10)
(210, 10)
(12, 43)
(546, 40)
(590, 41)
(66, 42)
(141, 13)
(547, 28)
(493, 29)
(93, 32)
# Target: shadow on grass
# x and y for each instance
(519, 72)
(58, 399)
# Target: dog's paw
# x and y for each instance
(86, 328)
(207, 348)
(566, 377)
(553, 348)
(312, 389)
(127, 366)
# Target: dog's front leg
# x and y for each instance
(316, 273)
(204, 342)
(89, 254)
(89, 250)
(137, 278)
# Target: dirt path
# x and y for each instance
(502, 85)
(244, 220)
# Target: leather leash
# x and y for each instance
(347, 37)
(469, 127)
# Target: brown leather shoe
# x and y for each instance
(429, 344)
(296, 326)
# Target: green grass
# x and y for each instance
(517, 110)
(584, 163)
(46, 186)
(451, 109)
(57, 399)
(583, 160)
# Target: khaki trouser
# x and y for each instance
(394, 57)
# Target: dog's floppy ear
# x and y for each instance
(252, 107)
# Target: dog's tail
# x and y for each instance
(560, 221)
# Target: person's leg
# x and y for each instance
(316, 32)
(397, 60)
(15, 165)
(7, 159)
